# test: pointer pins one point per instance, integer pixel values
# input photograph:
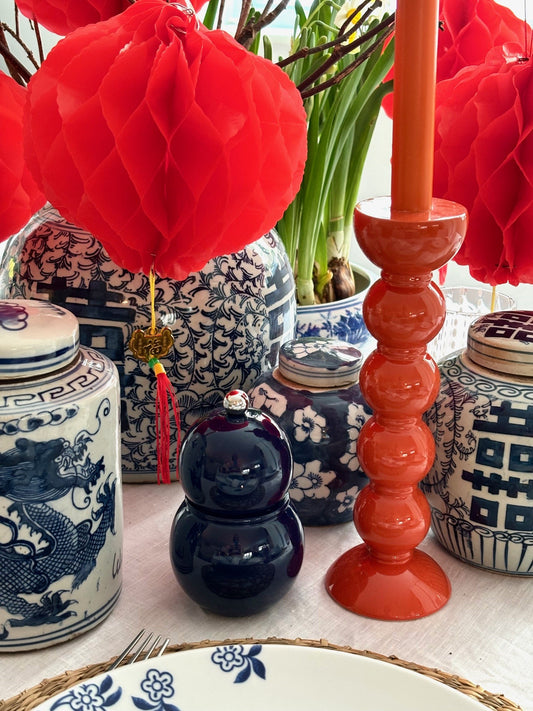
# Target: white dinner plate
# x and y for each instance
(262, 677)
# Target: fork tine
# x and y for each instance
(152, 647)
(141, 649)
(163, 647)
(149, 652)
(126, 651)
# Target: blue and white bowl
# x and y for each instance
(342, 319)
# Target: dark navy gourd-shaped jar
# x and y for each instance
(236, 544)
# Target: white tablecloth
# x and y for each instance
(483, 634)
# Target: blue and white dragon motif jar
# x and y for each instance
(60, 479)
(315, 398)
(480, 487)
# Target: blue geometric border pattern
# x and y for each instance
(483, 546)
(472, 379)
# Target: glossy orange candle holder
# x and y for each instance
(387, 577)
(409, 236)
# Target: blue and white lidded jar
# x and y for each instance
(314, 396)
(480, 487)
(60, 483)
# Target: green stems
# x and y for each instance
(316, 228)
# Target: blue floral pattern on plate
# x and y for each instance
(233, 656)
(261, 676)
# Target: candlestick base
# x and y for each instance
(406, 591)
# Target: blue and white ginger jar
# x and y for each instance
(60, 483)
(314, 396)
(228, 321)
(480, 487)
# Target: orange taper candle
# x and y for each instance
(414, 104)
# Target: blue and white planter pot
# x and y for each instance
(228, 320)
(314, 396)
(341, 320)
(60, 484)
(480, 487)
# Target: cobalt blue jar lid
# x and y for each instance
(36, 338)
(503, 341)
(320, 362)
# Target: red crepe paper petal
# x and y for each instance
(19, 195)
(169, 142)
(64, 16)
(484, 160)
(470, 29)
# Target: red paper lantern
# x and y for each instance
(170, 143)
(64, 16)
(19, 195)
(484, 160)
(469, 29)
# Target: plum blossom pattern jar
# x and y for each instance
(315, 397)
(480, 487)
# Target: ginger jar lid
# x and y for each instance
(320, 362)
(36, 338)
(503, 341)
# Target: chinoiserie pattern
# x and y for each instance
(481, 485)
(341, 319)
(60, 491)
(228, 320)
(322, 421)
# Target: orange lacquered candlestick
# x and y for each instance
(414, 105)
(409, 236)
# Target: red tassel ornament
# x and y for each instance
(149, 347)
(165, 393)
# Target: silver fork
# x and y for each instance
(152, 650)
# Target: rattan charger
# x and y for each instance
(31, 698)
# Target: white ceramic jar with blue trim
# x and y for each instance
(60, 481)
(314, 395)
(480, 487)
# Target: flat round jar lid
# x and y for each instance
(503, 341)
(320, 362)
(36, 338)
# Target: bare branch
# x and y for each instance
(342, 50)
(243, 17)
(38, 37)
(13, 63)
(337, 78)
(221, 9)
